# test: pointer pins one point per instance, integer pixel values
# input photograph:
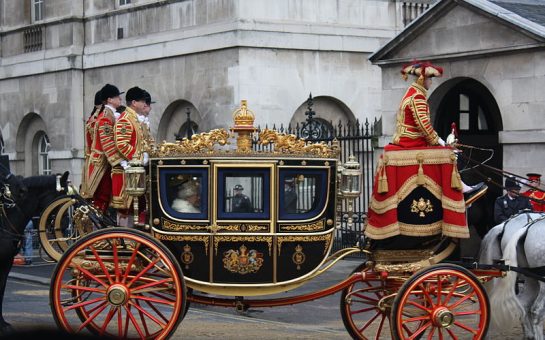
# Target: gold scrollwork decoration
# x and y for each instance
(421, 207)
(289, 143)
(219, 239)
(317, 226)
(311, 238)
(172, 226)
(191, 238)
(199, 143)
(243, 227)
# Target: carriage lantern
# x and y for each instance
(135, 183)
(351, 184)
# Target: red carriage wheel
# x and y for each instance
(120, 283)
(365, 306)
(443, 301)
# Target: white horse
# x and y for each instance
(520, 241)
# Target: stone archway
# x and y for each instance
(328, 112)
(469, 104)
(173, 122)
(29, 132)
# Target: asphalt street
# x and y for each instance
(26, 306)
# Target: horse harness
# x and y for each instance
(7, 202)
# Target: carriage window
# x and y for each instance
(184, 192)
(243, 193)
(302, 193)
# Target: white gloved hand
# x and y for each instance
(124, 164)
(441, 141)
(146, 158)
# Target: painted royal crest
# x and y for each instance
(187, 256)
(242, 261)
(298, 256)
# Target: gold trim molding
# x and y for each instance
(192, 238)
(313, 238)
(173, 226)
(317, 226)
(218, 239)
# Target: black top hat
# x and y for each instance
(135, 93)
(109, 91)
(511, 184)
(238, 187)
(148, 98)
(98, 98)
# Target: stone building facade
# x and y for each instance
(201, 55)
(493, 55)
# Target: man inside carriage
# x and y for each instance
(418, 194)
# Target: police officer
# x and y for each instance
(511, 203)
(241, 202)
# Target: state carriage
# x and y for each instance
(209, 249)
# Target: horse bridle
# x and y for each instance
(6, 202)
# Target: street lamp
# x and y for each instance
(135, 184)
(351, 175)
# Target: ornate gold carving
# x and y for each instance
(199, 143)
(310, 238)
(242, 261)
(319, 225)
(192, 238)
(218, 239)
(187, 256)
(290, 144)
(401, 255)
(421, 207)
(173, 226)
(298, 256)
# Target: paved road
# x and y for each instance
(26, 305)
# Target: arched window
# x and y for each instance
(44, 163)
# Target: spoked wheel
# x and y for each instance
(51, 234)
(365, 306)
(118, 282)
(443, 301)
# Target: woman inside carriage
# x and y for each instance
(418, 195)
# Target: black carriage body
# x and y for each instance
(258, 226)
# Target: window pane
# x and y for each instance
(464, 102)
(300, 193)
(464, 120)
(482, 120)
(186, 193)
(243, 194)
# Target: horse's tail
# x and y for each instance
(507, 309)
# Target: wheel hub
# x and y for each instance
(117, 295)
(442, 317)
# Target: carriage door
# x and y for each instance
(242, 222)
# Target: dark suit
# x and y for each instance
(506, 207)
(242, 203)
